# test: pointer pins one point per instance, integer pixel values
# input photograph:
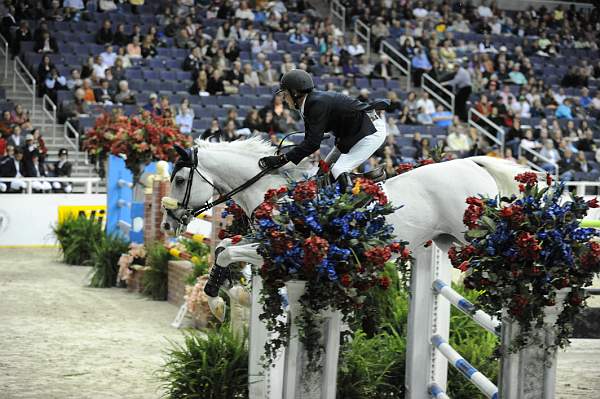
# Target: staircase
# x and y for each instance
(53, 133)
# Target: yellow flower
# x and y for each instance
(195, 260)
(356, 188)
(174, 252)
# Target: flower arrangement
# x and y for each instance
(522, 249)
(139, 139)
(134, 259)
(197, 300)
(337, 242)
(239, 224)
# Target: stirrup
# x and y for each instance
(377, 175)
(345, 182)
(218, 276)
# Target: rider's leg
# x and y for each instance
(333, 156)
(359, 153)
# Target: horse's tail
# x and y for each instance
(503, 172)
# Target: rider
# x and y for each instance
(359, 131)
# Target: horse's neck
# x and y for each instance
(228, 173)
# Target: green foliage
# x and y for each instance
(476, 345)
(214, 366)
(200, 251)
(155, 279)
(107, 251)
(77, 237)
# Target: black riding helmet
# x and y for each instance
(297, 82)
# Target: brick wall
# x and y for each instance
(153, 211)
(178, 271)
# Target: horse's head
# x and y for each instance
(190, 189)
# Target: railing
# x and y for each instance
(6, 54)
(537, 156)
(49, 110)
(398, 60)
(29, 181)
(435, 89)
(363, 32)
(73, 141)
(338, 14)
(498, 139)
(581, 187)
(21, 69)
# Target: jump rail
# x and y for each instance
(437, 392)
(486, 386)
(498, 138)
(427, 81)
(338, 14)
(20, 70)
(5, 54)
(49, 110)
(362, 31)
(398, 60)
(88, 181)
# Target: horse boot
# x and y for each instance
(218, 276)
(345, 182)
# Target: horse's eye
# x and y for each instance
(179, 180)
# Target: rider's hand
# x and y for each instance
(275, 161)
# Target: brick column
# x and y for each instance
(148, 224)
(160, 189)
(178, 271)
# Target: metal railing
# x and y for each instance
(88, 182)
(433, 87)
(363, 32)
(20, 70)
(498, 139)
(5, 54)
(582, 186)
(338, 14)
(398, 60)
(49, 110)
(535, 157)
(73, 141)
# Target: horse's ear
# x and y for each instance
(183, 154)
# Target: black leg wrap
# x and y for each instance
(218, 276)
(345, 182)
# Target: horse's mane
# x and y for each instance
(255, 147)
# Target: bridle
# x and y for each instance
(191, 212)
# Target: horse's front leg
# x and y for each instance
(227, 253)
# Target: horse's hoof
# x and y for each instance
(217, 307)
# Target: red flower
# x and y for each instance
(428, 244)
(475, 201)
(424, 162)
(593, 203)
(521, 187)
(506, 212)
(264, 211)
(305, 191)
(378, 255)
(270, 194)
(404, 167)
(324, 166)
(346, 280)
(529, 178)
(472, 215)
(548, 179)
(223, 234)
(373, 190)
(384, 282)
(463, 267)
(235, 239)
(315, 250)
(405, 254)
(528, 245)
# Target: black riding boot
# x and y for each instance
(218, 276)
(345, 182)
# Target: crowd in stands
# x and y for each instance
(532, 73)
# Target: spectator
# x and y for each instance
(392, 128)
(379, 31)
(462, 88)
(268, 76)
(441, 117)
(363, 95)
(426, 103)
(46, 45)
(250, 76)
(298, 37)
(193, 62)
(568, 165)
(383, 69)
(232, 51)
(88, 92)
(199, 88)
(596, 104)
(560, 96)
(235, 76)
(447, 53)
(516, 76)
(6, 124)
(423, 118)
(44, 68)
(104, 94)
(528, 142)
(185, 117)
(585, 100)
(135, 4)
(124, 95)
(564, 110)
(107, 5)
(121, 38)
(269, 46)
(148, 49)
(486, 46)
(365, 68)
(153, 106)
(16, 139)
(165, 106)
(108, 57)
(88, 68)
(586, 143)
(105, 34)
(355, 48)
(13, 166)
(406, 117)
(8, 20)
(421, 65)
(423, 147)
(74, 80)
(586, 170)
(62, 168)
(244, 12)
(483, 106)
(215, 85)
(484, 11)
(214, 132)
(23, 34)
(420, 12)
(458, 141)
(98, 70)
(134, 50)
(53, 84)
(73, 9)
(20, 116)
(252, 121)
(551, 154)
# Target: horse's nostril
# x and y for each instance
(166, 226)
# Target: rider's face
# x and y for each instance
(288, 99)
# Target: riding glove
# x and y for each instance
(274, 162)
